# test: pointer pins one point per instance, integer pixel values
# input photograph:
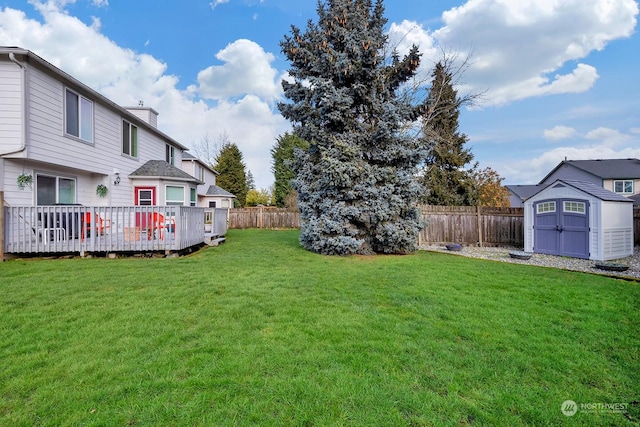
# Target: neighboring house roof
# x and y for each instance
(636, 199)
(162, 169)
(524, 191)
(214, 190)
(604, 168)
(123, 111)
(590, 189)
(191, 157)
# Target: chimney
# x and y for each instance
(146, 114)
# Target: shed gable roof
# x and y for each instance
(590, 189)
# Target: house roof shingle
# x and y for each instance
(214, 190)
(524, 191)
(162, 169)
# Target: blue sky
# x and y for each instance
(560, 77)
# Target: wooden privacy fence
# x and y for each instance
(444, 224)
(264, 217)
(472, 225)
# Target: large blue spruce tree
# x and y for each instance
(356, 183)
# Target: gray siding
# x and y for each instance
(567, 172)
(90, 163)
(11, 106)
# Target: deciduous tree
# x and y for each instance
(491, 192)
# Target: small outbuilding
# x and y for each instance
(578, 219)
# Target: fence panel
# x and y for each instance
(263, 217)
(444, 224)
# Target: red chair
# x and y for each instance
(161, 223)
(155, 224)
(98, 226)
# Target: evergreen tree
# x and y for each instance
(356, 187)
(282, 155)
(446, 181)
(251, 183)
(233, 178)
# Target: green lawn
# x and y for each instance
(260, 332)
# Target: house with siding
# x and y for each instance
(101, 177)
(70, 139)
(620, 176)
(209, 194)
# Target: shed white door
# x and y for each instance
(561, 227)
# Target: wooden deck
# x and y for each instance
(102, 229)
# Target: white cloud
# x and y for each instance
(247, 70)
(559, 133)
(518, 45)
(608, 137)
(126, 77)
(601, 143)
(215, 3)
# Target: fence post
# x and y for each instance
(2, 226)
(479, 226)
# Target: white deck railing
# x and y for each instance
(81, 229)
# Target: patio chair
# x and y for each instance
(99, 225)
(158, 223)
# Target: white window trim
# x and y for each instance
(79, 118)
(567, 207)
(131, 146)
(175, 202)
(624, 181)
(57, 185)
(545, 204)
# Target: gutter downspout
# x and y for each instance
(23, 142)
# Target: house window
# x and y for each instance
(623, 186)
(546, 207)
(145, 196)
(576, 207)
(194, 197)
(78, 116)
(174, 196)
(54, 189)
(212, 204)
(200, 172)
(129, 139)
(170, 154)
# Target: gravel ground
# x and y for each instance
(575, 264)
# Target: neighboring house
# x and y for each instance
(71, 139)
(620, 176)
(519, 193)
(209, 194)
